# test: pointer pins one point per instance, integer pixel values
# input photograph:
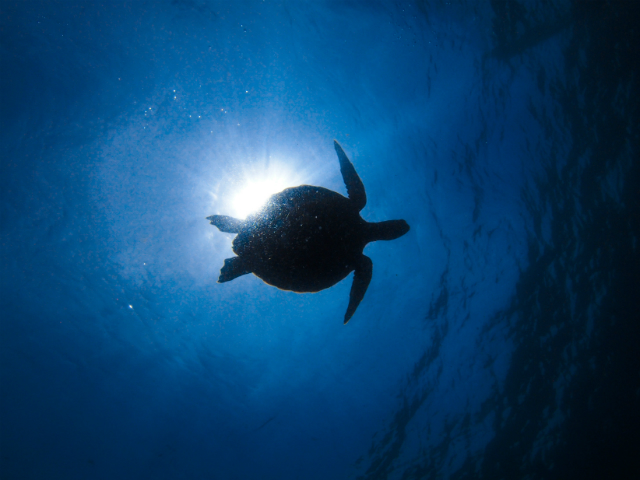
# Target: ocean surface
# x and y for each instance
(498, 339)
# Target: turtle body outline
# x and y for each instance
(308, 238)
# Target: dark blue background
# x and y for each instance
(498, 338)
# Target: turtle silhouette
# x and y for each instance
(308, 238)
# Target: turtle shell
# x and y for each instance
(304, 239)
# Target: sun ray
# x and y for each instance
(259, 183)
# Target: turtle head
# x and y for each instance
(389, 230)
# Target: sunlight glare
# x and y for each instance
(258, 186)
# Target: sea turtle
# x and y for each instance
(307, 238)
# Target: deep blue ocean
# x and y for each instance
(498, 339)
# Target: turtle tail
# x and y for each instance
(389, 230)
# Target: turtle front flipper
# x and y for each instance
(233, 267)
(355, 187)
(361, 279)
(226, 224)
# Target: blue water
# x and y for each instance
(498, 339)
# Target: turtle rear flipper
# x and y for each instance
(355, 187)
(233, 267)
(226, 224)
(361, 279)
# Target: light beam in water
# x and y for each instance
(259, 184)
